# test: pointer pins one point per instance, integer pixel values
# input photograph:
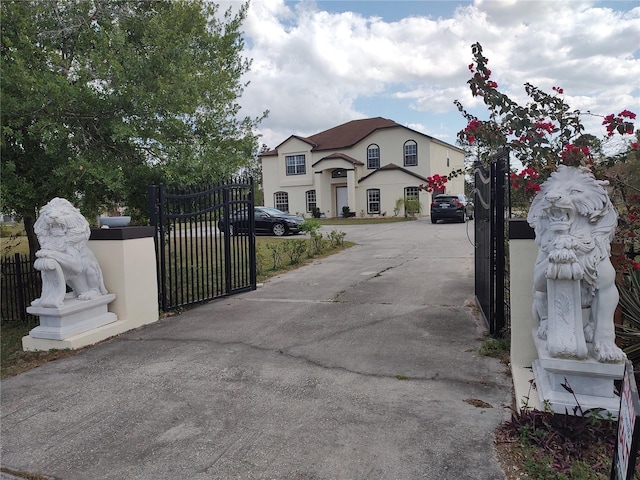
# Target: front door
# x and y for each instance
(342, 199)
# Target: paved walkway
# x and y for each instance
(358, 366)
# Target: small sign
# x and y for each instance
(626, 451)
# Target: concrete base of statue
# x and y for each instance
(591, 381)
(73, 318)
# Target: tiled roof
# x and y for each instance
(342, 136)
(350, 133)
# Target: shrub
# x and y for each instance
(336, 238)
(294, 249)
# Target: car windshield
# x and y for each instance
(272, 211)
(446, 199)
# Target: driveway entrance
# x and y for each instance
(362, 365)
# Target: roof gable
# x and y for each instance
(339, 156)
(393, 166)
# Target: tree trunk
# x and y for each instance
(34, 245)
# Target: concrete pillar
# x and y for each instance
(351, 191)
(127, 259)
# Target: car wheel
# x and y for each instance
(434, 220)
(278, 229)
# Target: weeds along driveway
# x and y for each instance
(362, 365)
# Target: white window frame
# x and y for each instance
(411, 192)
(281, 201)
(373, 157)
(373, 199)
(311, 200)
(295, 164)
(410, 153)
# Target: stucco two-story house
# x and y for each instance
(366, 165)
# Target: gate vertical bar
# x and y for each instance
(253, 273)
(499, 242)
(20, 284)
(227, 240)
(492, 251)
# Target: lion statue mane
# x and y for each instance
(64, 257)
(572, 213)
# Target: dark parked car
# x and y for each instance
(267, 220)
(451, 206)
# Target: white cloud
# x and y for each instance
(314, 69)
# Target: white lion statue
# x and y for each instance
(64, 257)
(574, 222)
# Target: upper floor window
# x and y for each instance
(281, 201)
(410, 153)
(311, 200)
(296, 164)
(373, 200)
(373, 156)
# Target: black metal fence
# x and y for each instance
(20, 285)
(198, 261)
(491, 263)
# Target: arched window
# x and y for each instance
(281, 201)
(311, 200)
(411, 193)
(373, 200)
(373, 156)
(410, 153)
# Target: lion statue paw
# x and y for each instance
(608, 352)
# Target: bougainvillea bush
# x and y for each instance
(540, 135)
(544, 133)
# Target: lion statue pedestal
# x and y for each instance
(65, 260)
(575, 295)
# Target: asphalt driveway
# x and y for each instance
(362, 365)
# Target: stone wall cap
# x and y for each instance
(122, 233)
(519, 229)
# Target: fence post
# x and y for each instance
(227, 239)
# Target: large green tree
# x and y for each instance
(102, 97)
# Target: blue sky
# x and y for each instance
(317, 64)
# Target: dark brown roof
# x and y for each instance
(342, 136)
(393, 166)
(341, 156)
(350, 133)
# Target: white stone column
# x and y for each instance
(351, 191)
(318, 183)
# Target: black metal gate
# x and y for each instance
(197, 261)
(491, 274)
